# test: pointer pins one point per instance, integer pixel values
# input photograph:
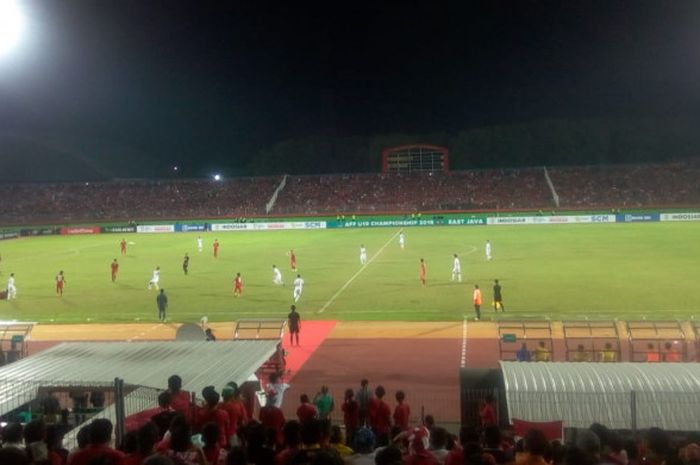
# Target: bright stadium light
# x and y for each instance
(11, 25)
(217, 177)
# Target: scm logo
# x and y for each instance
(600, 219)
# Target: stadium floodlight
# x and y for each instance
(11, 25)
(217, 177)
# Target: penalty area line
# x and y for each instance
(352, 278)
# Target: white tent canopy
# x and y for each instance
(147, 364)
(618, 395)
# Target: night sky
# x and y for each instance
(207, 84)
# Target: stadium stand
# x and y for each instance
(458, 190)
(628, 186)
(616, 186)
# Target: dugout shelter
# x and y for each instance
(143, 367)
(625, 396)
(650, 338)
(592, 341)
(14, 340)
(513, 334)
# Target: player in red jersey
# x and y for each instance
(60, 283)
(292, 260)
(115, 269)
(216, 248)
(122, 246)
(423, 272)
(238, 286)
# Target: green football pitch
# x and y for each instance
(606, 271)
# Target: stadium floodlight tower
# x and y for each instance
(11, 26)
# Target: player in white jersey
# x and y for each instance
(363, 255)
(298, 288)
(11, 289)
(456, 269)
(200, 243)
(155, 279)
(402, 240)
(277, 276)
(488, 250)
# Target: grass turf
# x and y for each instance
(625, 271)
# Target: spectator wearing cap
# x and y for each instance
(211, 412)
(272, 417)
(237, 414)
(363, 447)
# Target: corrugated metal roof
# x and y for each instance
(666, 395)
(140, 363)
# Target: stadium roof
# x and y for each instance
(666, 395)
(147, 364)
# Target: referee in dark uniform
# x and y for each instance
(294, 322)
(497, 297)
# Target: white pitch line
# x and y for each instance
(464, 344)
(352, 278)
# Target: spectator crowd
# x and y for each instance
(605, 186)
(223, 431)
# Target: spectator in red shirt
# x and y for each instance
(487, 411)
(211, 412)
(100, 437)
(179, 400)
(380, 416)
(237, 414)
(306, 411)
(351, 416)
(272, 417)
(418, 448)
(402, 411)
(213, 451)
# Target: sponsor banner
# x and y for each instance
(119, 229)
(511, 219)
(155, 228)
(69, 230)
(38, 231)
(380, 223)
(274, 226)
(190, 227)
(637, 217)
(562, 219)
(8, 235)
(680, 216)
